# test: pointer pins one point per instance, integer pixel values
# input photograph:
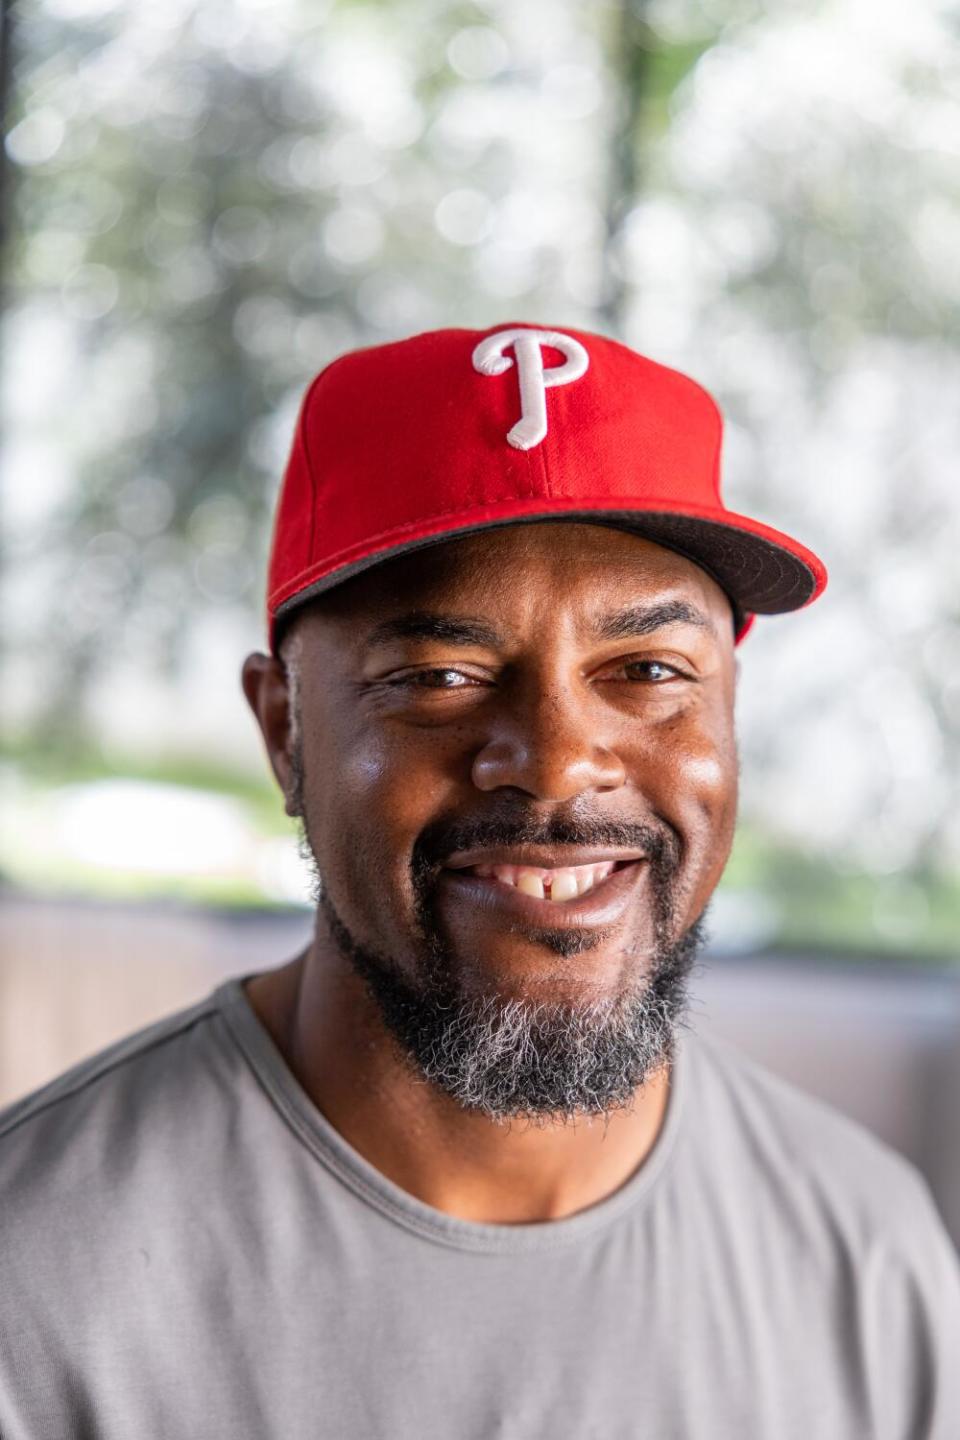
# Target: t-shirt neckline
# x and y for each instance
(371, 1186)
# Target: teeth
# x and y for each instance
(560, 885)
(564, 885)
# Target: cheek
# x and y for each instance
(392, 781)
(369, 795)
(713, 784)
(691, 758)
(712, 779)
(690, 778)
(709, 776)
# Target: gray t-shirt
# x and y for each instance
(189, 1249)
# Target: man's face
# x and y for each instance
(535, 710)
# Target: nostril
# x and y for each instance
(547, 767)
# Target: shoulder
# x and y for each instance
(818, 1168)
(113, 1181)
(836, 1231)
(107, 1068)
(68, 1139)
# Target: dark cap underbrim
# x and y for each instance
(760, 575)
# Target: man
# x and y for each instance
(459, 1170)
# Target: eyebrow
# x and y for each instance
(644, 619)
(635, 620)
(427, 625)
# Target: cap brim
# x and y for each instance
(762, 571)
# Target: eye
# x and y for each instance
(437, 679)
(655, 672)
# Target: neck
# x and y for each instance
(327, 1028)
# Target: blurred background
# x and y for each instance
(205, 201)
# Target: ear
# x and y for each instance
(268, 695)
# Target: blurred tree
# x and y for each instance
(215, 198)
(633, 43)
(6, 31)
(645, 70)
(214, 202)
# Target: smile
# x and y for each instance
(553, 885)
(587, 894)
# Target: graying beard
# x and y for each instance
(540, 1062)
(531, 1060)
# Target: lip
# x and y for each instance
(540, 857)
(602, 905)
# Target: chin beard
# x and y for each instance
(525, 1059)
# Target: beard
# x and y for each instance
(527, 1059)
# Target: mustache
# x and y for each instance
(443, 837)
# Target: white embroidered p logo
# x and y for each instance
(489, 359)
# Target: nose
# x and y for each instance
(547, 747)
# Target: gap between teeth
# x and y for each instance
(555, 885)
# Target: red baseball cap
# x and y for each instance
(410, 444)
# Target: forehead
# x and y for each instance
(529, 570)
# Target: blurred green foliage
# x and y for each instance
(209, 201)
